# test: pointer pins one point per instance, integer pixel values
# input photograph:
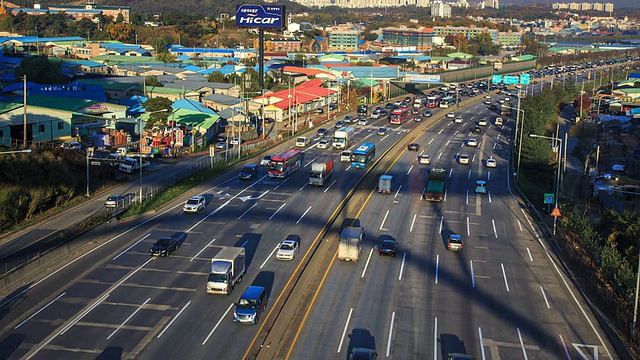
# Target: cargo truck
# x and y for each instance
(351, 239)
(131, 165)
(385, 184)
(436, 182)
(321, 171)
(342, 138)
(227, 270)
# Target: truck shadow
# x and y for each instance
(249, 241)
(450, 343)
(360, 338)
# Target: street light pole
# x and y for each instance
(559, 140)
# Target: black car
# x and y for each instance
(413, 147)
(319, 111)
(249, 172)
(165, 246)
(387, 245)
(321, 132)
(476, 129)
(426, 113)
(339, 124)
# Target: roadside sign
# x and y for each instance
(496, 79)
(212, 151)
(556, 212)
(548, 198)
(96, 163)
(510, 80)
(524, 79)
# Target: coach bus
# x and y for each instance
(284, 164)
(363, 155)
(399, 116)
(447, 101)
(433, 101)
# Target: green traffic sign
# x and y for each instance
(548, 198)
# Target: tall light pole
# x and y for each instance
(559, 140)
(521, 122)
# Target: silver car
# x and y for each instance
(288, 249)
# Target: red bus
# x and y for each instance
(433, 101)
(283, 165)
(399, 116)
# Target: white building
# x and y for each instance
(438, 8)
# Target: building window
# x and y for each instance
(41, 128)
(60, 125)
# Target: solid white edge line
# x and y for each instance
(174, 319)
(435, 338)
(305, 213)
(129, 248)
(481, 343)
(37, 312)
(473, 280)
(275, 213)
(393, 316)
(504, 274)
(524, 351)
(245, 213)
(269, 257)
(128, 318)
(437, 269)
(545, 297)
(367, 263)
(344, 332)
(217, 324)
(404, 257)
(413, 222)
(203, 249)
(384, 219)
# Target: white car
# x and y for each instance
(472, 142)
(482, 122)
(458, 120)
(194, 204)
(362, 121)
(491, 163)
(303, 141)
(463, 159)
(288, 249)
(424, 159)
(498, 121)
(487, 96)
(451, 115)
(323, 144)
(235, 141)
(265, 160)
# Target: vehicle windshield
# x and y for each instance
(286, 247)
(387, 244)
(315, 174)
(247, 304)
(455, 239)
(358, 158)
(218, 278)
(339, 140)
(301, 140)
(163, 242)
(276, 165)
(192, 202)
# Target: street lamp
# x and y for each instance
(555, 218)
(521, 122)
(140, 146)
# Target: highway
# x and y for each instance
(502, 297)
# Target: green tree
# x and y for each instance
(164, 56)
(215, 77)
(159, 109)
(371, 36)
(39, 69)
(482, 44)
(153, 81)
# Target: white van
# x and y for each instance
(345, 156)
(303, 141)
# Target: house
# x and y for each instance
(43, 124)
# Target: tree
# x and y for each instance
(159, 109)
(40, 70)
(153, 81)
(164, 56)
(371, 37)
(122, 32)
(215, 77)
(482, 44)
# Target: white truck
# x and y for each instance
(321, 171)
(227, 270)
(131, 165)
(342, 137)
(351, 239)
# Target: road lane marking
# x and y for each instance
(128, 318)
(446, 191)
(397, 192)
(435, 339)
(524, 351)
(174, 319)
(344, 332)
(217, 324)
(441, 224)
(430, 141)
(37, 312)
(489, 195)
(305, 213)
(411, 168)
(282, 183)
(303, 186)
(312, 160)
(413, 222)
(566, 351)
(473, 280)
(245, 213)
(329, 187)
(75, 321)
(530, 256)
(440, 155)
(469, 174)
(504, 274)
(269, 257)
(466, 201)
(129, 248)
(481, 343)
(437, 268)
(422, 195)
(489, 175)
(280, 208)
(468, 229)
(495, 231)
(519, 225)
(383, 220)
(404, 258)
(366, 264)
(200, 252)
(545, 297)
(393, 316)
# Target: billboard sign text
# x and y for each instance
(260, 16)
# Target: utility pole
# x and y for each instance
(24, 107)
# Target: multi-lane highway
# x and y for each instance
(502, 297)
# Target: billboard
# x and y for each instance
(510, 80)
(433, 79)
(496, 79)
(524, 79)
(261, 16)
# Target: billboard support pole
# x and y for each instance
(261, 58)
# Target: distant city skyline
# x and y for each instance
(618, 4)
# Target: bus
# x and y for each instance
(284, 164)
(447, 101)
(399, 116)
(433, 101)
(363, 155)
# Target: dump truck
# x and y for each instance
(227, 270)
(436, 181)
(342, 137)
(321, 171)
(131, 165)
(351, 239)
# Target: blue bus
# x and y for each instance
(363, 155)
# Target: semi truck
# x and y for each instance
(227, 270)
(131, 165)
(351, 239)
(342, 137)
(436, 182)
(321, 171)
